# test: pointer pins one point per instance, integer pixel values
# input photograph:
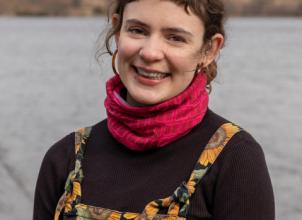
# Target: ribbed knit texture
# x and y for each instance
(148, 127)
(237, 187)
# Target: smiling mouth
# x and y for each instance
(150, 75)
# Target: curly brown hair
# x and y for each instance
(210, 12)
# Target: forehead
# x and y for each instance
(160, 13)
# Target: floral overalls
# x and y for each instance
(177, 205)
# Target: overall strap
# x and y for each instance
(178, 203)
(73, 193)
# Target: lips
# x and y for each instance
(150, 74)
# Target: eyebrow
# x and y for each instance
(168, 29)
(135, 21)
(178, 30)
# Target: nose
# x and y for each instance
(152, 50)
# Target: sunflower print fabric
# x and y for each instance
(176, 204)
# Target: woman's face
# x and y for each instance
(159, 46)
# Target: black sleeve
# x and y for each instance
(244, 190)
(56, 165)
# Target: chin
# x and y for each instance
(144, 101)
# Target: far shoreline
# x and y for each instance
(104, 16)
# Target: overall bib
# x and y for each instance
(174, 207)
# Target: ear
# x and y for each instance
(114, 20)
(212, 49)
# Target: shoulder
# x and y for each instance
(243, 148)
(60, 155)
(241, 143)
(57, 163)
(66, 145)
(53, 172)
(243, 181)
(241, 159)
(241, 153)
(238, 185)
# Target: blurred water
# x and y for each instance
(50, 84)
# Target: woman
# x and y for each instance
(161, 153)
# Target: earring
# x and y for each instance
(113, 62)
(200, 68)
(197, 70)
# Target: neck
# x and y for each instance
(132, 102)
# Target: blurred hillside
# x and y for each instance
(264, 7)
(53, 7)
(97, 7)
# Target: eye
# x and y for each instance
(176, 38)
(136, 30)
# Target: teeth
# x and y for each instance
(151, 75)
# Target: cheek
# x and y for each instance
(126, 50)
(185, 59)
(185, 63)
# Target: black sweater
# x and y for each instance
(237, 186)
